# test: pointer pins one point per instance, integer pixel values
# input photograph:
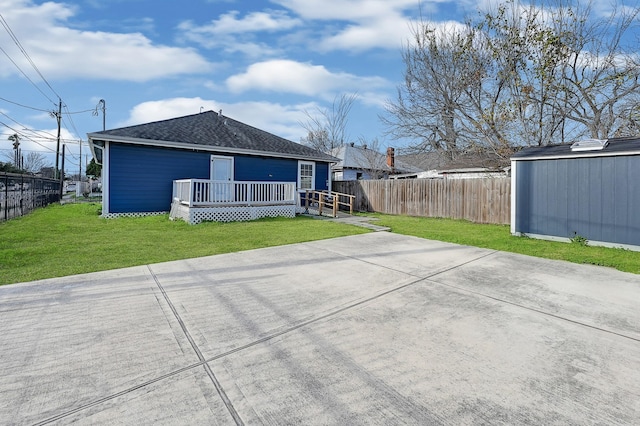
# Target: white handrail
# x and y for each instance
(204, 192)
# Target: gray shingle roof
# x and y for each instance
(360, 158)
(211, 129)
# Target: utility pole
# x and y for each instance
(59, 118)
(103, 106)
(15, 138)
(62, 175)
(79, 184)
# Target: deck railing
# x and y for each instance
(203, 192)
(329, 201)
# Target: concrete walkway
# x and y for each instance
(370, 329)
(357, 220)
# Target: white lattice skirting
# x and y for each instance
(194, 215)
(139, 214)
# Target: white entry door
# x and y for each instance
(222, 176)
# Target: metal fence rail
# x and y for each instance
(20, 194)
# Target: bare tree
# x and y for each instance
(527, 54)
(601, 74)
(427, 103)
(34, 162)
(327, 128)
(518, 76)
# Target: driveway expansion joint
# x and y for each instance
(207, 368)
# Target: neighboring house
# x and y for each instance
(471, 165)
(590, 189)
(204, 161)
(360, 162)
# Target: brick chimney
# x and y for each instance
(391, 160)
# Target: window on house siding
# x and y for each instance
(306, 175)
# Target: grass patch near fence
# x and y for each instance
(72, 239)
(498, 237)
(69, 239)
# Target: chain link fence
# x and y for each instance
(20, 194)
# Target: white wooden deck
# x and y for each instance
(197, 200)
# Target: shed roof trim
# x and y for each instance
(614, 147)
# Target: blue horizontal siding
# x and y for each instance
(141, 177)
(265, 169)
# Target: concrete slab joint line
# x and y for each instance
(403, 331)
(212, 376)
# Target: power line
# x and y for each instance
(26, 76)
(41, 134)
(18, 132)
(73, 125)
(26, 106)
(57, 114)
(6, 26)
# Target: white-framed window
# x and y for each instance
(306, 175)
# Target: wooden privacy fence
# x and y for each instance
(485, 200)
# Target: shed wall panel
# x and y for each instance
(622, 199)
(595, 197)
(608, 191)
(523, 197)
(633, 204)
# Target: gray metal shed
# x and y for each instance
(589, 189)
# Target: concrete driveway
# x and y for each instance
(369, 329)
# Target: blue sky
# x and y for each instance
(262, 62)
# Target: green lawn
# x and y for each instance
(73, 239)
(498, 237)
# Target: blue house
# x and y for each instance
(590, 189)
(205, 167)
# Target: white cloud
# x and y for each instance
(237, 35)
(209, 37)
(353, 10)
(65, 53)
(287, 76)
(253, 22)
(371, 23)
(388, 32)
(147, 112)
(281, 120)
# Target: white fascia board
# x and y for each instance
(105, 179)
(514, 174)
(192, 147)
(582, 155)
